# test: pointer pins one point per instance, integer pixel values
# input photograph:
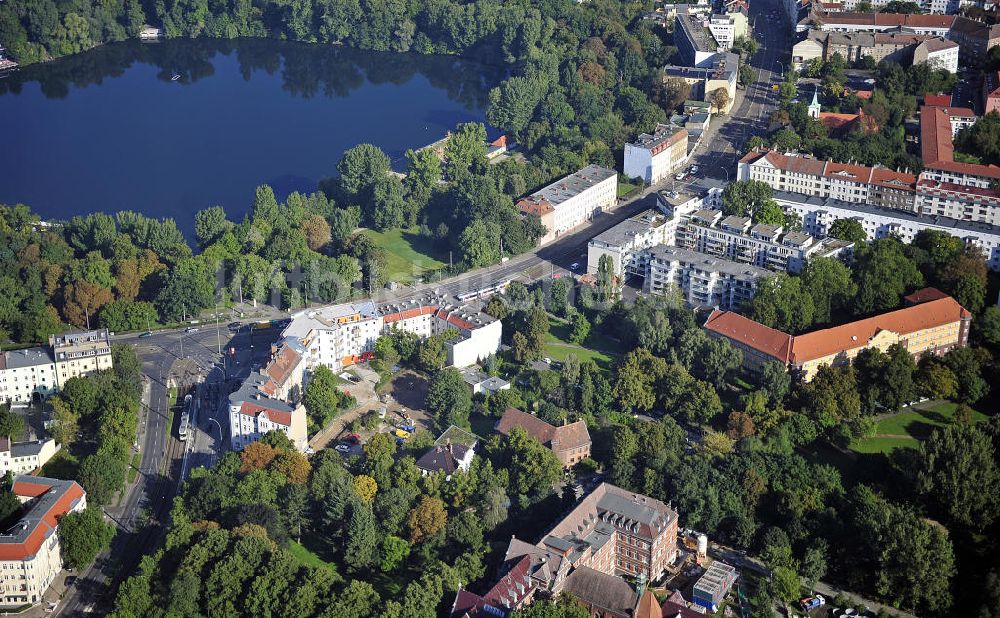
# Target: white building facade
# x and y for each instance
(818, 215)
(30, 553)
(702, 280)
(43, 370)
(627, 243)
(573, 200)
(655, 157)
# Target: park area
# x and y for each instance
(598, 348)
(910, 427)
(409, 255)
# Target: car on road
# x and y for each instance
(51, 607)
(234, 325)
(191, 329)
(574, 265)
(146, 334)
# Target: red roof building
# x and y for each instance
(991, 92)
(570, 443)
(935, 326)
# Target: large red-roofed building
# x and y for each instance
(933, 323)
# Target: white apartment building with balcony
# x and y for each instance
(819, 214)
(627, 243)
(573, 200)
(767, 246)
(702, 280)
(43, 370)
(30, 553)
(654, 157)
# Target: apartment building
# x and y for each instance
(819, 214)
(570, 443)
(693, 39)
(30, 554)
(841, 181)
(938, 53)
(702, 280)
(572, 200)
(338, 336)
(41, 371)
(974, 38)
(936, 327)
(768, 246)
(25, 457)
(727, 27)
(252, 413)
(654, 157)
(964, 191)
(717, 71)
(627, 243)
(611, 532)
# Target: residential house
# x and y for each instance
(25, 457)
(703, 280)
(718, 71)
(252, 414)
(570, 443)
(452, 451)
(991, 92)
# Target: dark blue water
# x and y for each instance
(109, 130)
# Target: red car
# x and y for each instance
(352, 438)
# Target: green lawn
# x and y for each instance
(598, 348)
(909, 428)
(63, 465)
(305, 556)
(626, 188)
(409, 254)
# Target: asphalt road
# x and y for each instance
(722, 147)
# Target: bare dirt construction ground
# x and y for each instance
(409, 390)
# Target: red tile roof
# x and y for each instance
(536, 427)
(44, 523)
(571, 436)
(280, 417)
(535, 206)
(889, 20)
(770, 341)
(398, 316)
(282, 365)
(937, 100)
(893, 179)
(937, 150)
(676, 607)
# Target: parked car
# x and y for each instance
(694, 169)
(811, 603)
(342, 448)
(679, 176)
(574, 265)
(235, 325)
(402, 435)
(352, 438)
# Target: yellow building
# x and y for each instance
(933, 323)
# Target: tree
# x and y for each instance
(775, 381)
(426, 519)
(743, 198)
(360, 167)
(256, 456)
(321, 397)
(580, 328)
(988, 326)
(210, 224)
(785, 583)
(66, 421)
(607, 288)
(388, 207)
(533, 468)
(366, 488)
(958, 472)
(431, 355)
(449, 399)
(465, 147)
(362, 537)
(83, 535)
(781, 302)
(883, 273)
(828, 282)
(746, 74)
(317, 232)
(292, 465)
(850, 230)
(832, 395)
(720, 100)
(563, 606)
(814, 562)
(671, 93)
(83, 300)
(11, 424)
(394, 551)
(480, 243)
(935, 380)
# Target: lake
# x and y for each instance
(112, 130)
